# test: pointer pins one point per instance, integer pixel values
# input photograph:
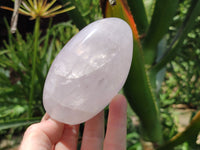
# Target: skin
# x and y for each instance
(50, 134)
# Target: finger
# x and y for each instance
(116, 127)
(69, 139)
(42, 135)
(93, 134)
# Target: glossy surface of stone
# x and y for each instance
(89, 71)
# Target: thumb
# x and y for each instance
(42, 135)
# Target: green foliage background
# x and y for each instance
(181, 83)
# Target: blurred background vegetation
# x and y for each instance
(180, 89)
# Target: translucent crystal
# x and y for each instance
(89, 71)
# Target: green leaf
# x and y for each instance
(141, 97)
(4, 77)
(2, 52)
(175, 46)
(164, 12)
(76, 16)
(139, 14)
(18, 123)
(156, 78)
(5, 90)
(149, 7)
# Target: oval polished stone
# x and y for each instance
(89, 71)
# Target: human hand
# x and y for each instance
(50, 134)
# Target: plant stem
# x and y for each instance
(33, 71)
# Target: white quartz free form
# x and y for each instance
(89, 71)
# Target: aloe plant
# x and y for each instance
(150, 55)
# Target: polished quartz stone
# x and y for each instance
(89, 71)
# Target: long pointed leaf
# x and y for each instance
(162, 17)
(49, 5)
(139, 14)
(187, 25)
(18, 123)
(75, 15)
(53, 12)
(142, 99)
(149, 7)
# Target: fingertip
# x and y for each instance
(93, 134)
(119, 97)
(116, 127)
(119, 101)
